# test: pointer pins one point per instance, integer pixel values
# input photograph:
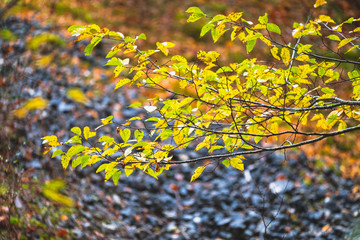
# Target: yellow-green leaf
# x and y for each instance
(76, 130)
(116, 177)
(250, 45)
(57, 153)
(273, 28)
(334, 37)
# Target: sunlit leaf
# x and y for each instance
(250, 45)
(318, 3)
(197, 173)
(237, 163)
(76, 130)
(107, 120)
(88, 134)
(116, 177)
(344, 42)
(273, 28)
(285, 56)
(57, 153)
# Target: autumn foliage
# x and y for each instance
(298, 94)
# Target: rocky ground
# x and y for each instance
(277, 197)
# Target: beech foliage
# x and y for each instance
(303, 91)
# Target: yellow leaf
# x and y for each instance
(318, 3)
(128, 170)
(51, 140)
(51, 191)
(237, 163)
(356, 29)
(77, 95)
(197, 173)
(163, 47)
(285, 55)
(94, 159)
(344, 42)
(87, 133)
(84, 35)
(302, 58)
(36, 103)
(274, 51)
(324, 18)
(20, 112)
(234, 16)
(151, 173)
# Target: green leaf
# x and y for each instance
(224, 69)
(136, 104)
(76, 162)
(215, 34)
(102, 167)
(74, 27)
(333, 37)
(142, 36)
(88, 49)
(206, 28)
(217, 18)
(57, 153)
(250, 45)
(116, 177)
(354, 74)
(273, 28)
(327, 90)
(226, 163)
(197, 173)
(153, 119)
(194, 10)
(76, 130)
(195, 16)
(84, 161)
(113, 61)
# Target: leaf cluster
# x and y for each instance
(228, 110)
